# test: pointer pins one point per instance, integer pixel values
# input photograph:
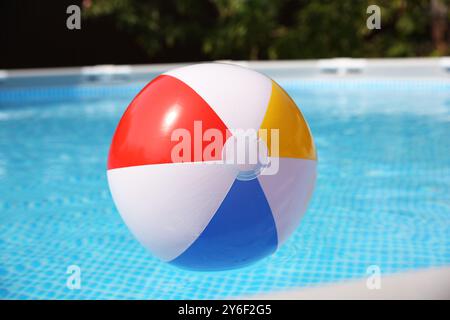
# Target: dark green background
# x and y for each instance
(34, 33)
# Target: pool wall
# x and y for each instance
(356, 69)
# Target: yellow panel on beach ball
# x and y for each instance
(295, 138)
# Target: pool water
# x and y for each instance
(382, 195)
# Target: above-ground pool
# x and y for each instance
(382, 196)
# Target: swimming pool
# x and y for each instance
(382, 195)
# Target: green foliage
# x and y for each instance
(174, 30)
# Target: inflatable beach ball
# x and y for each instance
(212, 166)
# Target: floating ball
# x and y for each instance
(212, 166)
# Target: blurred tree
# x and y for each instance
(171, 30)
(166, 29)
(439, 26)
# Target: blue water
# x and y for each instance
(382, 196)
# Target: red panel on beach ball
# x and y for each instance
(143, 135)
